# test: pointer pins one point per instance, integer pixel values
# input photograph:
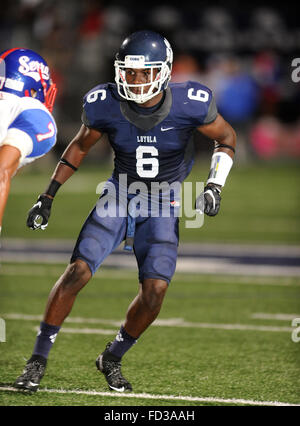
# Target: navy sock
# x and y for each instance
(122, 343)
(45, 339)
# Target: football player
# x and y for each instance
(27, 128)
(149, 123)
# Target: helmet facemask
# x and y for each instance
(49, 92)
(158, 81)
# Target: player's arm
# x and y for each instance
(66, 167)
(9, 161)
(223, 135)
(73, 155)
(225, 141)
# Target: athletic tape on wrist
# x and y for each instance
(221, 164)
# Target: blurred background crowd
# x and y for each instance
(243, 52)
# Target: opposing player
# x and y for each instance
(27, 128)
(149, 123)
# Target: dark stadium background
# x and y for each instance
(225, 45)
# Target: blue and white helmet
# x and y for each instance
(23, 72)
(145, 50)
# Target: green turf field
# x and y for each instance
(212, 340)
(228, 338)
(260, 204)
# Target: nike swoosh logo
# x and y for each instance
(32, 384)
(164, 129)
(117, 389)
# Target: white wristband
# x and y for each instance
(220, 167)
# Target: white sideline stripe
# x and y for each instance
(84, 330)
(8, 270)
(282, 317)
(171, 322)
(232, 249)
(184, 265)
(76, 320)
(168, 397)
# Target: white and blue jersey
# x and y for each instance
(26, 124)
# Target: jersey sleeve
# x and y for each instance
(212, 111)
(96, 106)
(4, 118)
(198, 104)
(39, 127)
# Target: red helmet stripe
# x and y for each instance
(3, 56)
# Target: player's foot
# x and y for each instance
(112, 371)
(32, 374)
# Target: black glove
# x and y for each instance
(41, 210)
(209, 200)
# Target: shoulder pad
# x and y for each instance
(195, 102)
(31, 103)
(95, 105)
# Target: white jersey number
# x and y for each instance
(92, 97)
(201, 95)
(42, 136)
(141, 161)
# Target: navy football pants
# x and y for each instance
(155, 243)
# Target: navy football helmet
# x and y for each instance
(25, 73)
(145, 50)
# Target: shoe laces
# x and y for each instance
(113, 368)
(113, 372)
(33, 369)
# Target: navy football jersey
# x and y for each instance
(150, 147)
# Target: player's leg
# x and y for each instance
(59, 305)
(9, 161)
(146, 306)
(98, 237)
(64, 292)
(156, 242)
(141, 313)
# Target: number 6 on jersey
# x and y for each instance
(152, 161)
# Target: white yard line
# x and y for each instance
(85, 330)
(159, 397)
(281, 317)
(75, 320)
(171, 322)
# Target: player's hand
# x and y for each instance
(39, 214)
(209, 200)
